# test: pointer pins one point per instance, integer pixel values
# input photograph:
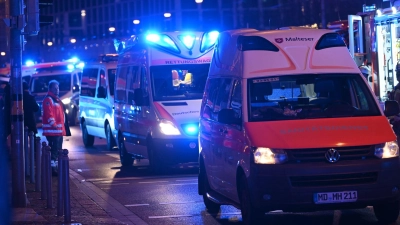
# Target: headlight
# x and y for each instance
(66, 101)
(269, 156)
(387, 150)
(168, 128)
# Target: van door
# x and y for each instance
(101, 102)
(87, 94)
(120, 100)
(220, 131)
(234, 143)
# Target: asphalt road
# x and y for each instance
(172, 198)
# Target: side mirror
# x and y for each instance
(75, 88)
(101, 92)
(391, 108)
(227, 116)
(139, 98)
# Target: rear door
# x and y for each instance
(87, 97)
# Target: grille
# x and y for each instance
(334, 180)
(318, 154)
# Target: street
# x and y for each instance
(172, 198)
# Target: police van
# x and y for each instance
(96, 100)
(289, 123)
(159, 86)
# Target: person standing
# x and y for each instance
(30, 107)
(54, 122)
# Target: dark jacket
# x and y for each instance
(30, 107)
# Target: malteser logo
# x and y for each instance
(299, 39)
(279, 40)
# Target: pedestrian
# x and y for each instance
(54, 122)
(30, 108)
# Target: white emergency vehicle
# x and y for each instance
(159, 86)
(68, 74)
(289, 123)
(96, 100)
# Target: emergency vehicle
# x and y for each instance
(159, 86)
(288, 122)
(374, 43)
(96, 100)
(68, 74)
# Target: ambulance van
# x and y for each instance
(158, 90)
(96, 100)
(289, 123)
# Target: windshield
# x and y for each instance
(309, 96)
(40, 83)
(179, 82)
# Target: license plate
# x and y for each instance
(335, 197)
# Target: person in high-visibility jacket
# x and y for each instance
(54, 122)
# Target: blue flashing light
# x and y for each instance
(187, 40)
(209, 40)
(163, 41)
(80, 65)
(73, 60)
(29, 63)
(70, 67)
(191, 129)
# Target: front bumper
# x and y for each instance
(292, 187)
(173, 151)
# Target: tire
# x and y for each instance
(124, 156)
(156, 165)
(72, 118)
(250, 214)
(87, 139)
(387, 213)
(110, 139)
(211, 206)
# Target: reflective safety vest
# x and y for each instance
(53, 116)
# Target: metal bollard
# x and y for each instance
(38, 156)
(65, 172)
(48, 177)
(32, 156)
(61, 184)
(44, 169)
(26, 150)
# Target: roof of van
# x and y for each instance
(251, 53)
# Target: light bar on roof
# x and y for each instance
(209, 40)
(163, 41)
(187, 40)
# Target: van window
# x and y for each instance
(236, 99)
(211, 91)
(221, 101)
(132, 82)
(120, 85)
(178, 82)
(103, 80)
(111, 80)
(88, 82)
(309, 96)
(40, 83)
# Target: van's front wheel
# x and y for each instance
(87, 139)
(125, 158)
(211, 206)
(387, 213)
(250, 214)
(110, 138)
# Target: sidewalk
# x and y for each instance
(89, 206)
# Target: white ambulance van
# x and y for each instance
(159, 85)
(96, 100)
(289, 123)
(68, 74)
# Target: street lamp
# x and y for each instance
(73, 40)
(136, 22)
(2, 53)
(111, 29)
(83, 12)
(167, 15)
(49, 43)
(198, 1)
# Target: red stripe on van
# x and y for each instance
(318, 133)
(163, 113)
